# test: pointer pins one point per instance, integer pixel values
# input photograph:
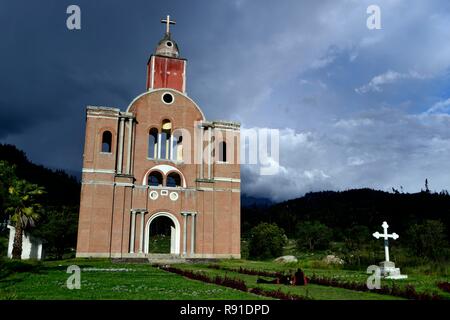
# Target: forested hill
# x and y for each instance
(338, 210)
(342, 210)
(61, 189)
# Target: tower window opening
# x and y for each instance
(155, 179)
(173, 180)
(177, 146)
(166, 132)
(223, 151)
(106, 141)
(153, 143)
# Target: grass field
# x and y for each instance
(140, 281)
(422, 281)
(103, 279)
(316, 292)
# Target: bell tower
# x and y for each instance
(144, 164)
(165, 68)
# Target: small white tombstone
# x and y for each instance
(31, 246)
(388, 269)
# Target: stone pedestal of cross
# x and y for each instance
(388, 269)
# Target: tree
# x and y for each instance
(427, 239)
(266, 241)
(58, 226)
(313, 235)
(23, 209)
(356, 237)
(7, 175)
(427, 190)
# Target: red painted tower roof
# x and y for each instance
(165, 68)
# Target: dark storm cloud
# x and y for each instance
(50, 73)
(354, 107)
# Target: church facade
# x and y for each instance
(160, 159)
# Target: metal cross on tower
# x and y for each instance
(385, 236)
(168, 22)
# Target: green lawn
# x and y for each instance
(416, 277)
(313, 291)
(140, 281)
(47, 280)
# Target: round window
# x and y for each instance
(168, 98)
(173, 196)
(153, 195)
(169, 44)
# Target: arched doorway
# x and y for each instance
(162, 233)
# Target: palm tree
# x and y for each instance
(23, 210)
(7, 176)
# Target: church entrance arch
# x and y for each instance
(161, 229)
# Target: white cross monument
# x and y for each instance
(386, 236)
(388, 269)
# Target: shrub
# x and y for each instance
(244, 250)
(356, 237)
(266, 241)
(428, 240)
(3, 245)
(58, 227)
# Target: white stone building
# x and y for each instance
(31, 246)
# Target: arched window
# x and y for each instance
(166, 130)
(106, 141)
(223, 151)
(155, 179)
(153, 143)
(177, 146)
(173, 180)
